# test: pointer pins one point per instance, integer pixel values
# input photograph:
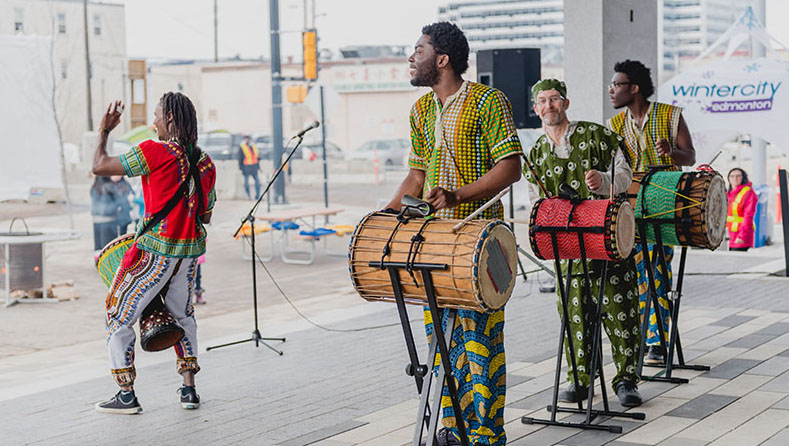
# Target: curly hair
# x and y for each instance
(638, 74)
(448, 39)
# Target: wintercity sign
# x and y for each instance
(727, 97)
(755, 96)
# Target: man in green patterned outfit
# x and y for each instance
(465, 150)
(580, 154)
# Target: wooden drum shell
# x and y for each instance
(467, 282)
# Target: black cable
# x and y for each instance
(304, 316)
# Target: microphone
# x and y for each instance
(314, 125)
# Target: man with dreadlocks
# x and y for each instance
(164, 255)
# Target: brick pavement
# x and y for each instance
(337, 389)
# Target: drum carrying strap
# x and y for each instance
(194, 173)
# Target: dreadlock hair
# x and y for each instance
(448, 39)
(183, 127)
(638, 74)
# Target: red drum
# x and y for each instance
(608, 228)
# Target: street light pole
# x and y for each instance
(276, 99)
(87, 65)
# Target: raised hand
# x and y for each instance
(112, 117)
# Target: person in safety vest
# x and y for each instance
(249, 163)
(742, 208)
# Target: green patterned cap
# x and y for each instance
(549, 84)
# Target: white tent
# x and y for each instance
(30, 153)
(727, 97)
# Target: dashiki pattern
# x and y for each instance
(163, 167)
(593, 147)
(660, 122)
(460, 141)
(474, 130)
(141, 277)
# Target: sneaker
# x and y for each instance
(573, 395)
(654, 355)
(199, 297)
(189, 397)
(445, 438)
(122, 403)
(627, 392)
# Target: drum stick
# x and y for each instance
(536, 178)
(481, 209)
(715, 157)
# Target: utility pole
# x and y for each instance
(87, 65)
(216, 34)
(276, 99)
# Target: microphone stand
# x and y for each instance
(250, 217)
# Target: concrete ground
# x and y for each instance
(341, 380)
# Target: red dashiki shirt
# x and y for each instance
(164, 166)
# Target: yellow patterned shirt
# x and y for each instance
(458, 142)
(660, 122)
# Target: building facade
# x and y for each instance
(63, 20)
(690, 26)
(685, 27)
(366, 99)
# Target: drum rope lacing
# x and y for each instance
(416, 243)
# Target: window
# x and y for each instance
(61, 23)
(138, 91)
(96, 25)
(19, 20)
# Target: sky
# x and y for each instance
(184, 28)
(244, 25)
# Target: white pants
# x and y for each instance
(132, 290)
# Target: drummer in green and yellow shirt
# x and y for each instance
(580, 154)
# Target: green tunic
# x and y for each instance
(592, 147)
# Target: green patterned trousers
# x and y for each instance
(620, 318)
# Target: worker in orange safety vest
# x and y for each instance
(742, 208)
(249, 163)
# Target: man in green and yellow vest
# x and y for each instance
(655, 134)
(249, 163)
(580, 154)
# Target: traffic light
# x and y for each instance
(309, 41)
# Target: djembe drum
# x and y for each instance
(691, 205)
(158, 328)
(607, 228)
(481, 260)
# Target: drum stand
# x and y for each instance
(427, 415)
(674, 298)
(596, 364)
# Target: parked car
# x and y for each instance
(220, 145)
(389, 152)
(333, 152)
